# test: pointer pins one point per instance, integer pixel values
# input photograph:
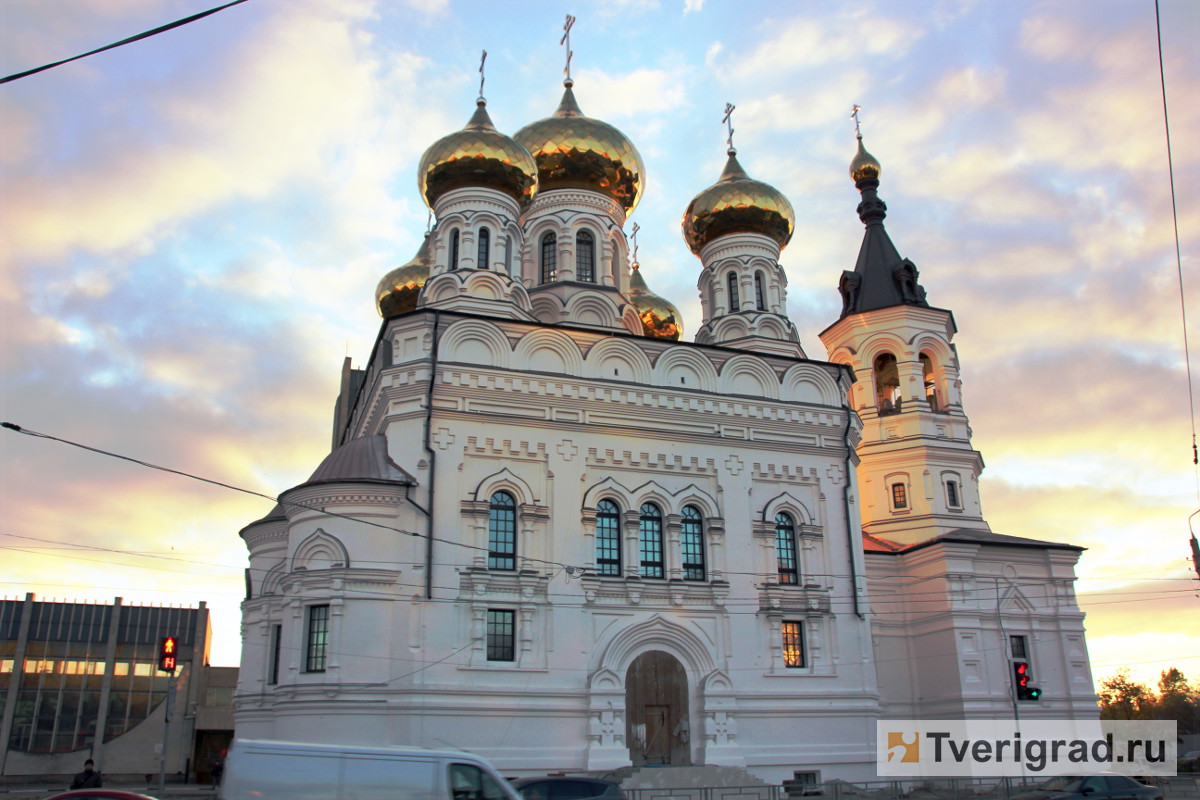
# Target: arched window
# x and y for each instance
(734, 303)
(454, 249)
(785, 548)
(502, 531)
(485, 242)
(691, 542)
(585, 257)
(508, 254)
(887, 384)
(549, 257)
(931, 392)
(651, 529)
(760, 299)
(608, 538)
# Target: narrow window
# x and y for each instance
(317, 645)
(454, 249)
(501, 635)
(276, 637)
(608, 538)
(485, 242)
(508, 254)
(1019, 646)
(691, 540)
(502, 532)
(887, 384)
(952, 498)
(549, 257)
(899, 496)
(734, 303)
(585, 257)
(793, 644)
(651, 529)
(785, 548)
(931, 392)
(760, 300)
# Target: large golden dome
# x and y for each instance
(660, 319)
(737, 204)
(478, 155)
(864, 164)
(577, 152)
(397, 292)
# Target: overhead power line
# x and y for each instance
(130, 40)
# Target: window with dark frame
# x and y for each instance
(1019, 646)
(691, 542)
(732, 283)
(585, 257)
(485, 244)
(651, 533)
(785, 548)
(501, 635)
(952, 498)
(760, 300)
(793, 644)
(276, 644)
(454, 249)
(608, 539)
(502, 532)
(316, 649)
(899, 496)
(508, 254)
(549, 257)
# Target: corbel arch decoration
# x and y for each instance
(549, 351)
(476, 342)
(508, 481)
(687, 643)
(320, 551)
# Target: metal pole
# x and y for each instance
(162, 759)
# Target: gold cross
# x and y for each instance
(854, 115)
(728, 120)
(482, 61)
(566, 39)
(633, 235)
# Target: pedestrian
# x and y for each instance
(89, 778)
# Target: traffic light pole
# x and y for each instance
(162, 758)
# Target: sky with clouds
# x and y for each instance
(193, 226)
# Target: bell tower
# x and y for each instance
(918, 474)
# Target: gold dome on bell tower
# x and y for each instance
(737, 204)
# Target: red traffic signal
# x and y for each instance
(167, 654)
(1025, 690)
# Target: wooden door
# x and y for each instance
(656, 711)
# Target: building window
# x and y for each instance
(899, 496)
(793, 644)
(549, 257)
(501, 635)
(317, 645)
(585, 257)
(502, 532)
(508, 254)
(785, 548)
(454, 249)
(734, 303)
(1019, 646)
(608, 538)
(760, 299)
(651, 530)
(485, 243)
(952, 498)
(691, 540)
(276, 643)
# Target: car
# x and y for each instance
(1189, 761)
(1092, 787)
(567, 788)
(99, 794)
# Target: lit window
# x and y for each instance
(899, 496)
(785, 548)
(317, 648)
(952, 498)
(549, 257)
(485, 242)
(454, 249)
(651, 530)
(793, 644)
(731, 282)
(585, 257)
(691, 541)
(501, 635)
(760, 300)
(502, 532)
(608, 538)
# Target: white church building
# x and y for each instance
(553, 533)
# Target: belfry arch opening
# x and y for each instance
(887, 384)
(656, 705)
(934, 395)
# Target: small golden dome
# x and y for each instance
(478, 155)
(398, 291)
(737, 204)
(864, 164)
(660, 319)
(577, 152)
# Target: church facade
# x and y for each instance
(555, 534)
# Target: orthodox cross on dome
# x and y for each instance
(854, 115)
(482, 61)
(728, 120)
(566, 39)
(633, 235)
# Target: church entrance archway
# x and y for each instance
(656, 711)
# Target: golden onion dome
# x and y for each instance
(660, 319)
(478, 155)
(577, 152)
(737, 204)
(864, 164)
(397, 292)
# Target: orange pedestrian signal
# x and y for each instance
(167, 655)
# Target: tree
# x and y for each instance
(1178, 701)
(1123, 698)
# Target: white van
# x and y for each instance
(261, 770)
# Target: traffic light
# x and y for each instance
(1022, 682)
(166, 655)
